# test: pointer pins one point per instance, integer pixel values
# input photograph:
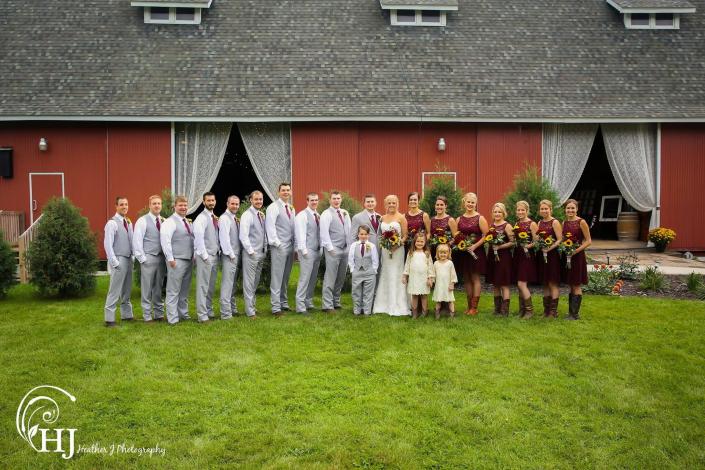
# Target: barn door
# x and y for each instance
(42, 187)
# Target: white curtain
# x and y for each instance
(199, 151)
(631, 153)
(566, 148)
(269, 147)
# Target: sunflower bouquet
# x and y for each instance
(462, 242)
(494, 238)
(544, 242)
(567, 247)
(390, 239)
(522, 239)
(440, 236)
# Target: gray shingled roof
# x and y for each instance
(203, 3)
(341, 59)
(634, 4)
(420, 3)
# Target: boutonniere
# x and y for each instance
(128, 220)
(368, 245)
(189, 220)
(161, 219)
(215, 217)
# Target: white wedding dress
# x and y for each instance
(391, 295)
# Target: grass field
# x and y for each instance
(624, 387)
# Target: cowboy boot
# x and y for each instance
(522, 312)
(574, 307)
(497, 305)
(554, 307)
(505, 308)
(474, 302)
(546, 306)
(528, 308)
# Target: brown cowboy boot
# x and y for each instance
(474, 302)
(546, 306)
(522, 310)
(574, 307)
(504, 308)
(554, 307)
(497, 305)
(528, 308)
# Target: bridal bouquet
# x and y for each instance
(390, 239)
(494, 239)
(440, 236)
(462, 242)
(522, 239)
(543, 242)
(567, 248)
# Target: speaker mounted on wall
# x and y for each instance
(6, 162)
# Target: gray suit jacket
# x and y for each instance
(363, 218)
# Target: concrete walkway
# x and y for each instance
(670, 262)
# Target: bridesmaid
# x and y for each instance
(548, 269)
(441, 222)
(577, 230)
(416, 219)
(499, 266)
(524, 260)
(472, 263)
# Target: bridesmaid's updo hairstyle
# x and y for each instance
(389, 197)
(572, 201)
(413, 193)
(468, 196)
(523, 204)
(443, 199)
(501, 207)
(547, 203)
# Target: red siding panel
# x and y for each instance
(460, 155)
(682, 173)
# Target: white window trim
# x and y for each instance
(652, 22)
(172, 16)
(602, 208)
(419, 18)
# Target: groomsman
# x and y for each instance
(280, 233)
(367, 217)
(148, 251)
(206, 246)
(253, 238)
(176, 237)
(118, 248)
(229, 235)
(335, 233)
(308, 245)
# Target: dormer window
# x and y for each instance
(418, 12)
(652, 14)
(172, 11)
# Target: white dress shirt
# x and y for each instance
(300, 229)
(138, 237)
(199, 231)
(165, 234)
(270, 223)
(247, 219)
(325, 226)
(227, 220)
(110, 228)
(369, 248)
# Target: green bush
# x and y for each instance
(63, 257)
(601, 280)
(8, 267)
(652, 279)
(695, 281)
(531, 187)
(441, 186)
(350, 204)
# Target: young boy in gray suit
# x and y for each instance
(363, 262)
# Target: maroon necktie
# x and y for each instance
(288, 214)
(188, 229)
(259, 216)
(215, 221)
(124, 223)
(318, 222)
(362, 249)
(340, 217)
(373, 219)
(159, 225)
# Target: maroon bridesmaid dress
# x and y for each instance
(577, 274)
(440, 225)
(466, 263)
(524, 268)
(548, 271)
(499, 273)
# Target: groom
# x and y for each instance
(367, 217)
(335, 232)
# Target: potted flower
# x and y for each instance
(661, 237)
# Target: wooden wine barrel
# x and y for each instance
(628, 226)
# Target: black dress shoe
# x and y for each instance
(160, 319)
(338, 307)
(286, 309)
(110, 324)
(127, 319)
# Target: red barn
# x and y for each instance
(105, 98)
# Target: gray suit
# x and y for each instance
(253, 239)
(178, 281)
(152, 270)
(364, 277)
(334, 237)
(363, 218)
(280, 233)
(229, 235)
(206, 243)
(308, 240)
(121, 275)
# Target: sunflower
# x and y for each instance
(516, 227)
(568, 242)
(523, 235)
(442, 240)
(394, 239)
(549, 241)
(568, 234)
(489, 238)
(462, 245)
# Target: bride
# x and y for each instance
(391, 295)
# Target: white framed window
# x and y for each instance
(610, 208)
(418, 17)
(652, 20)
(172, 15)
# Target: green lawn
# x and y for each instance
(624, 387)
